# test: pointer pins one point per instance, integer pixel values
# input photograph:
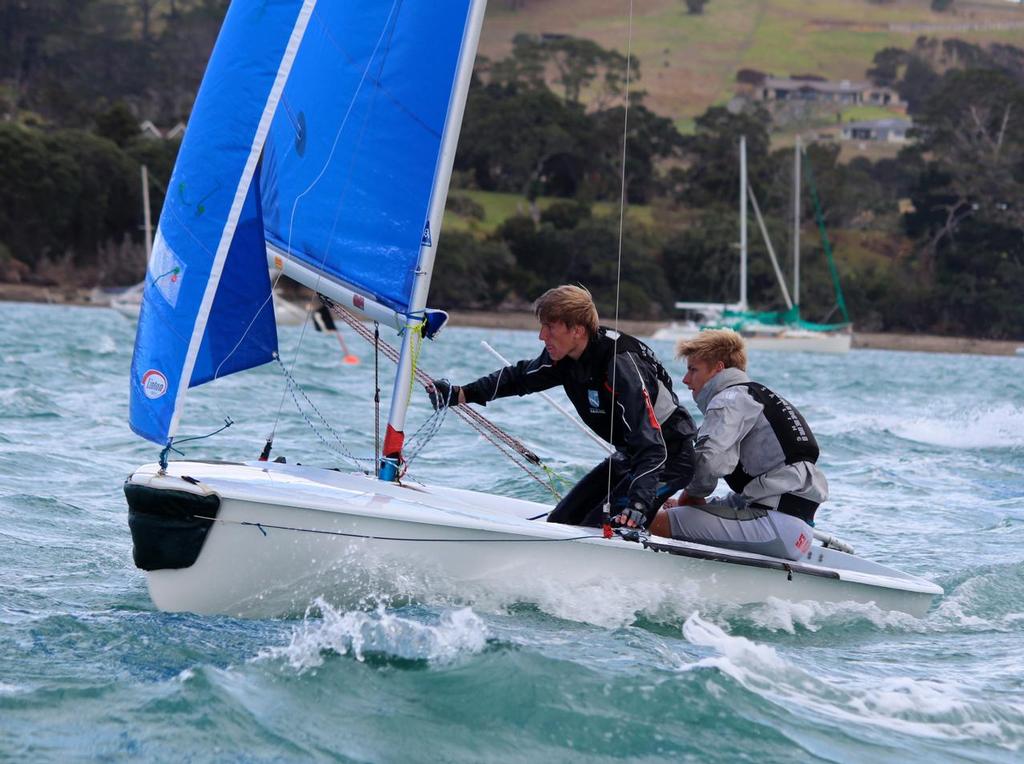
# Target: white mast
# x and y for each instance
(743, 222)
(418, 301)
(796, 223)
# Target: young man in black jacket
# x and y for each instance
(619, 389)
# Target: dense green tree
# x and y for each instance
(888, 63)
(650, 140)
(577, 64)
(118, 124)
(973, 128)
(471, 273)
(566, 215)
(713, 155)
(103, 194)
(513, 138)
(64, 193)
(36, 195)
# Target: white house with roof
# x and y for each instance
(844, 92)
(878, 130)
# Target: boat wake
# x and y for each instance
(981, 600)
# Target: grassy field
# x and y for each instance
(689, 62)
(498, 207)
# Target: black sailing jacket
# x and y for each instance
(645, 421)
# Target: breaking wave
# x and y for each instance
(357, 633)
(924, 708)
(1000, 426)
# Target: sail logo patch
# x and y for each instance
(166, 271)
(426, 241)
(154, 384)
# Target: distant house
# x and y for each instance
(149, 130)
(878, 130)
(176, 131)
(844, 92)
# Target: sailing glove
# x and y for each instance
(443, 394)
(636, 512)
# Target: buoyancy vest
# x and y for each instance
(593, 400)
(789, 426)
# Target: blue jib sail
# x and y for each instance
(350, 164)
(207, 308)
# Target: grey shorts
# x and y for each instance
(748, 529)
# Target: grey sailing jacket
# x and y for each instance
(735, 428)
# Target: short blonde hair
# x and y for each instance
(572, 305)
(714, 345)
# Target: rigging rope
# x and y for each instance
(618, 266)
(819, 216)
(262, 526)
(293, 387)
(507, 444)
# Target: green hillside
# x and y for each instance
(690, 62)
(496, 207)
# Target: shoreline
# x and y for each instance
(919, 343)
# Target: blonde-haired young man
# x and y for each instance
(759, 443)
(652, 433)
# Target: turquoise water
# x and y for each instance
(925, 455)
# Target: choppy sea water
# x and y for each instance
(924, 453)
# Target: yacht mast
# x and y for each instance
(743, 222)
(147, 220)
(394, 437)
(797, 150)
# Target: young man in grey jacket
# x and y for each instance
(760, 444)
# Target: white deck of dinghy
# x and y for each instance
(325, 490)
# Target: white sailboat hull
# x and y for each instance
(285, 535)
(782, 339)
(129, 305)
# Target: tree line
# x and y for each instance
(548, 121)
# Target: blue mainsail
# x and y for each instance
(352, 110)
(350, 164)
(206, 308)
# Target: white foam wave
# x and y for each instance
(971, 607)
(1000, 426)
(784, 615)
(975, 603)
(996, 427)
(934, 709)
(604, 603)
(593, 598)
(359, 633)
(105, 345)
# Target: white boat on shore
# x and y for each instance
(262, 539)
(768, 337)
(129, 302)
(784, 331)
